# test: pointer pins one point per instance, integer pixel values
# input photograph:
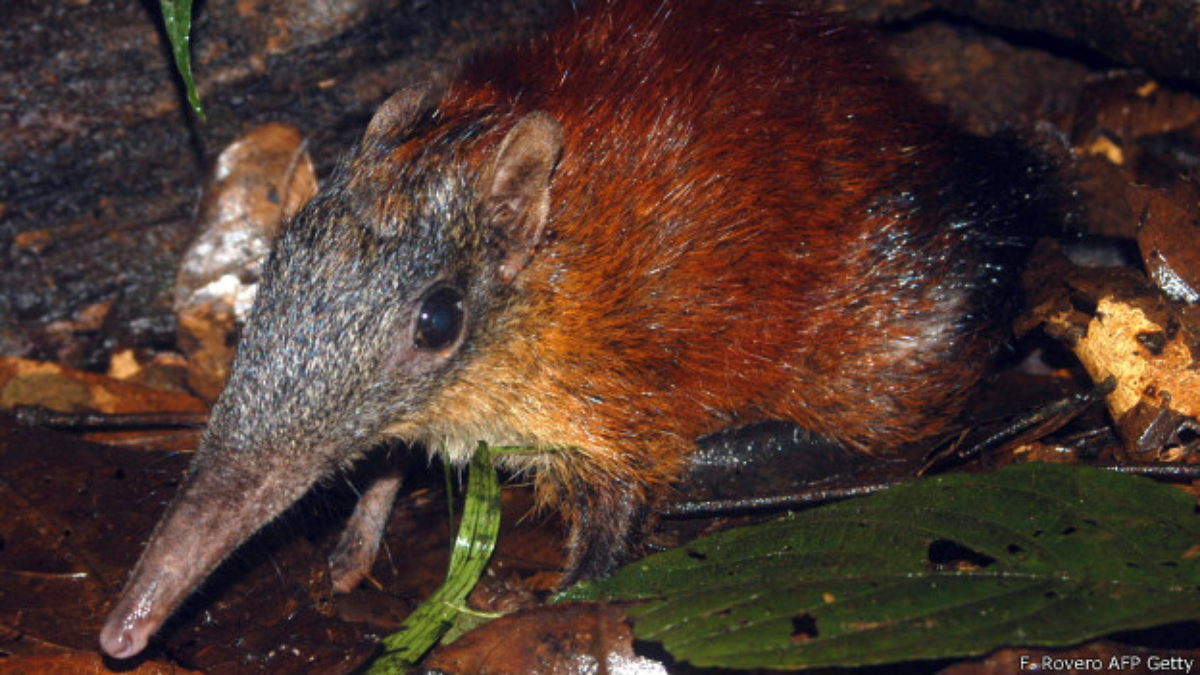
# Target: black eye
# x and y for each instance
(440, 319)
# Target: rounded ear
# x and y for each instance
(396, 113)
(516, 188)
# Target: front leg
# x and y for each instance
(607, 522)
(352, 560)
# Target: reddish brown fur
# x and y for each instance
(728, 242)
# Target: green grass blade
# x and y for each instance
(177, 17)
(472, 548)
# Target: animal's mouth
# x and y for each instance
(135, 618)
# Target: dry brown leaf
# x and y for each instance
(25, 382)
(570, 639)
(1120, 326)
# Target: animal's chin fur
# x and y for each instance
(455, 439)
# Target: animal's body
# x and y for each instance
(663, 219)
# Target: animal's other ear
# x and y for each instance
(397, 112)
(516, 188)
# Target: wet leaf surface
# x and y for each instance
(1166, 226)
(78, 663)
(959, 565)
(66, 548)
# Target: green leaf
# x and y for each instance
(177, 17)
(952, 566)
(472, 549)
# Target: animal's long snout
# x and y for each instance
(216, 510)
